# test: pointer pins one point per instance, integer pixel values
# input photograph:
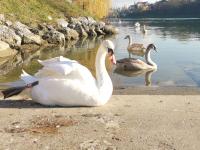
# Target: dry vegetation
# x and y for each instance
(99, 8)
(39, 10)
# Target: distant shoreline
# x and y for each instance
(156, 18)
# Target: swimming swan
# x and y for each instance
(144, 30)
(65, 82)
(137, 24)
(136, 64)
(135, 48)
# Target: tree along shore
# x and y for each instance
(161, 9)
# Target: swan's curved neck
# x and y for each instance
(104, 82)
(148, 59)
(130, 40)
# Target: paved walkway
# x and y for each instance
(138, 122)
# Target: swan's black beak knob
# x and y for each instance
(111, 56)
(110, 51)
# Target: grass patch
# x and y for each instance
(36, 11)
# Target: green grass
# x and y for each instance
(36, 11)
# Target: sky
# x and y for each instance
(121, 3)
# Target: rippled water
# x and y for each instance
(178, 57)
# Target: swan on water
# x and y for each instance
(135, 48)
(136, 64)
(144, 30)
(65, 82)
(137, 24)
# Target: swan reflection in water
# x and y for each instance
(136, 73)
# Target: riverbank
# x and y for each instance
(19, 40)
(125, 122)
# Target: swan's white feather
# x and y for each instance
(65, 82)
(76, 88)
(28, 78)
(56, 60)
(63, 69)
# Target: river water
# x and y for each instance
(178, 57)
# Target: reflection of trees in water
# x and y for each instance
(175, 28)
(83, 51)
(181, 30)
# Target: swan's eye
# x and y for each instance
(110, 51)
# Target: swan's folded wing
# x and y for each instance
(132, 63)
(73, 70)
(56, 69)
(46, 72)
(28, 79)
(57, 66)
(127, 60)
(56, 60)
(62, 67)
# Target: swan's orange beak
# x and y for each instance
(112, 59)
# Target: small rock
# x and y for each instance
(27, 36)
(4, 46)
(74, 21)
(62, 24)
(50, 27)
(9, 36)
(92, 31)
(99, 31)
(54, 37)
(35, 31)
(83, 21)
(8, 23)
(70, 34)
(109, 29)
(91, 21)
(81, 31)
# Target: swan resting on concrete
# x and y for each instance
(65, 82)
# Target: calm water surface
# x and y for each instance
(178, 57)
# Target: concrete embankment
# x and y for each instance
(163, 122)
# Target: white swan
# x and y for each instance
(137, 24)
(65, 82)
